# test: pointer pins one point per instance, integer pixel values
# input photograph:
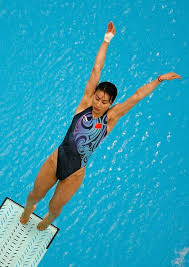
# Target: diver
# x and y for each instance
(94, 118)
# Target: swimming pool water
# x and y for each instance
(133, 206)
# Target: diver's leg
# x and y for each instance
(65, 189)
(45, 179)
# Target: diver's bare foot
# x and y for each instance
(44, 223)
(26, 215)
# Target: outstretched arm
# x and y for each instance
(99, 62)
(121, 109)
(148, 88)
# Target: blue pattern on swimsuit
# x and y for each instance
(86, 136)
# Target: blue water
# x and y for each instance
(133, 206)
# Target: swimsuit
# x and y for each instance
(82, 138)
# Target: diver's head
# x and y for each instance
(108, 88)
(105, 94)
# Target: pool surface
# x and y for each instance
(133, 206)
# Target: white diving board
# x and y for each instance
(22, 245)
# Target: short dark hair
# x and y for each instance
(108, 88)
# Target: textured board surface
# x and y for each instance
(22, 245)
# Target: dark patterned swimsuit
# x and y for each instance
(82, 138)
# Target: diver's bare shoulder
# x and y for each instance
(85, 103)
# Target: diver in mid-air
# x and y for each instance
(94, 118)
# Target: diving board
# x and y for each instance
(22, 245)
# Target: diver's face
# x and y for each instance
(101, 101)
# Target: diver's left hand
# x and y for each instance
(169, 76)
